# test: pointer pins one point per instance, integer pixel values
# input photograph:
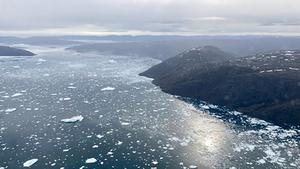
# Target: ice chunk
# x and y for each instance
(155, 162)
(110, 153)
(9, 110)
(16, 95)
(42, 60)
(261, 161)
(193, 166)
(100, 136)
(112, 61)
(90, 160)
(73, 119)
(30, 162)
(291, 68)
(16, 67)
(108, 89)
(125, 123)
(95, 146)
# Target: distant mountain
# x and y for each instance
(164, 47)
(266, 85)
(159, 47)
(9, 51)
(38, 41)
(197, 59)
(155, 49)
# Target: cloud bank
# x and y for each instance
(187, 17)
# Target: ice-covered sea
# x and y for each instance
(65, 110)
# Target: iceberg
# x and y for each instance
(17, 94)
(9, 110)
(30, 162)
(90, 160)
(73, 119)
(108, 89)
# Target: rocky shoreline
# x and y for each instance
(266, 86)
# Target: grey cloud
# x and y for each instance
(195, 16)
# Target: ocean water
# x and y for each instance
(66, 110)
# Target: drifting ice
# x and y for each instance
(30, 162)
(90, 160)
(108, 89)
(73, 119)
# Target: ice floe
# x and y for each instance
(17, 94)
(155, 162)
(111, 61)
(30, 162)
(90, 160)
(41, 60)
(108, 89)
(9, 110)
(100, 136)
(193, 166)
(125, 123)
(95, 146)
(73, 119)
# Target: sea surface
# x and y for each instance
(66, 110)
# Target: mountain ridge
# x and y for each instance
(10, 51)
(265, 86)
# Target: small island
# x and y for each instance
(266, 86)
(10, 51)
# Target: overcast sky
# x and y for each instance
(184, 17)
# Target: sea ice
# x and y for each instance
(100, 136)
(30, 162)
(90, 160)
(9, 110)
(95, 146)
(42, 60)
(110, 153)
(261, 161)
(125, 123)
(119, 143)
(112, 61)
(193, 167)
(73, 119)
(205, 107)
(16, 95)
(108, 89)
(154, 162)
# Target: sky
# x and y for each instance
(149, 17)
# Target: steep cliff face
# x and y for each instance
(266, 86)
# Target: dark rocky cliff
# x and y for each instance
(266, 86)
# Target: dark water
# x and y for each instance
(127, 122)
